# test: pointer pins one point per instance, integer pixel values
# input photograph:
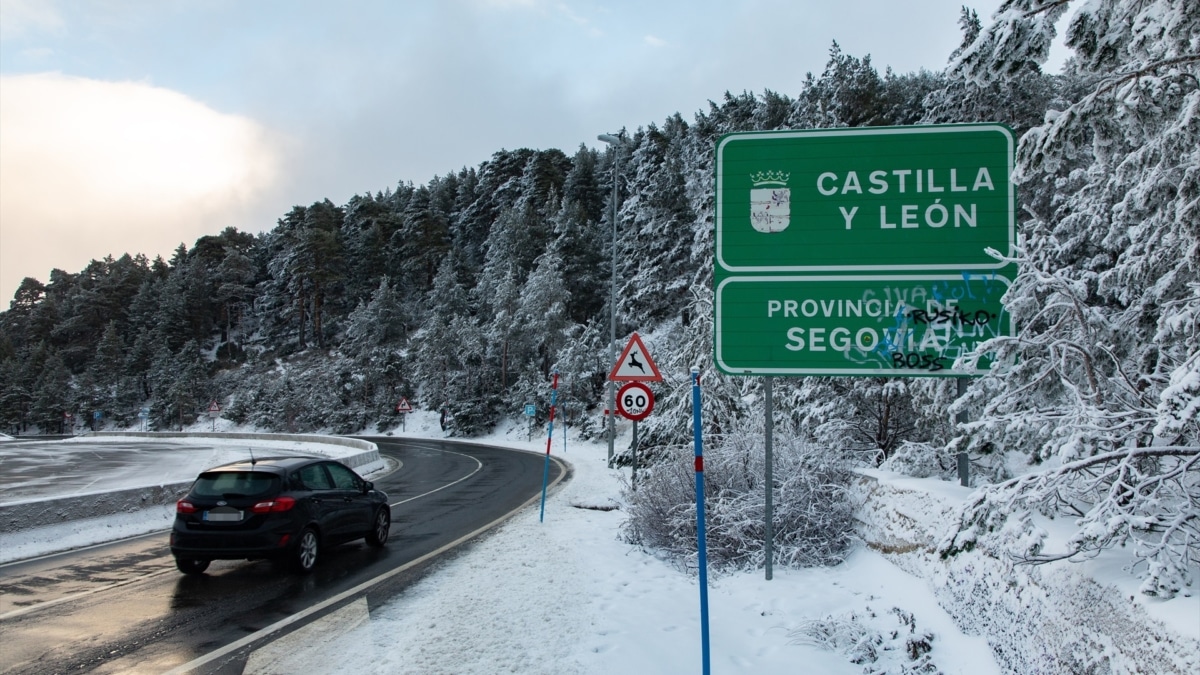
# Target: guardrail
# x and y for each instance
(35, 513)
(369, 454)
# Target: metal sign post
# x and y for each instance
(531, 413)
(635, 401)
(702, 547)
(404, 408)
(549, 436)
(964, 464)
(871, 252)
(769, 516)
(633, 450)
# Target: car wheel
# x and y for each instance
(308, 546)
(378, 535)
(191, 565)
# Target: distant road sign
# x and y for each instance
(635, 364)
(530, 409)
(213, 407)
(635, 401)
(403, 406)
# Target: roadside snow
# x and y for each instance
(568, 596)
(131, 463)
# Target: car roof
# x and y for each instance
(269, 464)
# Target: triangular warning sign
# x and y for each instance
(403, 405)
(635, 364)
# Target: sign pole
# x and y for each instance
(549, 436)
(633, 477)
(769, 536)
(964, 465)
(700, 533)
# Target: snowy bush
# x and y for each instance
(921, 460)
(813, 518)
(880, 644)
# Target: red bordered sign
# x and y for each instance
(635, 364)
(635, 401)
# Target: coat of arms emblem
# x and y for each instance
(770, 201)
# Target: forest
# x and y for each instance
(464, 293)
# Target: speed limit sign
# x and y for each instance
(635, 401)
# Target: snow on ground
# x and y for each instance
(89, 464)
(127, 463)
(567, 595)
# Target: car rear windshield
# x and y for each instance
(235, 483)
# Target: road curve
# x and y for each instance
(123, 608)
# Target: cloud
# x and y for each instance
(18, 17)
(87, 166)
(654, 41)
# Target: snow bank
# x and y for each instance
(140, 498)
(1055, 618)
(362, 456)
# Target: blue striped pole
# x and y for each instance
(700, 532)
(549, 436)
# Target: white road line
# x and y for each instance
(68, 598)
(478, 467)
(308, 649)
(285, 622)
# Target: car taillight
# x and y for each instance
(184, 506)
(276, 505)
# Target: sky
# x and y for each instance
(132, 126)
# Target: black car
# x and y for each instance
(283, 508)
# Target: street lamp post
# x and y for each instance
(614, 141)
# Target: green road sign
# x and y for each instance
(865, 200)
(856, 325)
(862, 251)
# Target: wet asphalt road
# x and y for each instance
(123, 608)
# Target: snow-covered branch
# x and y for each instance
(1148, 497)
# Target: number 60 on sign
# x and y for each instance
(635, 401)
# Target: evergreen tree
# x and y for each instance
(51, 395)
(542, 313)
(1106, 296)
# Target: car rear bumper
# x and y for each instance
(229, 545)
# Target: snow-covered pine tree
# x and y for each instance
(1105, 388)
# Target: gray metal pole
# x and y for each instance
(964, 465)
(769, 536)
(633, 478)
(612, 303)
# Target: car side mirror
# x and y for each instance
(368, 486)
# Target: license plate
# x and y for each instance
(223, 517)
